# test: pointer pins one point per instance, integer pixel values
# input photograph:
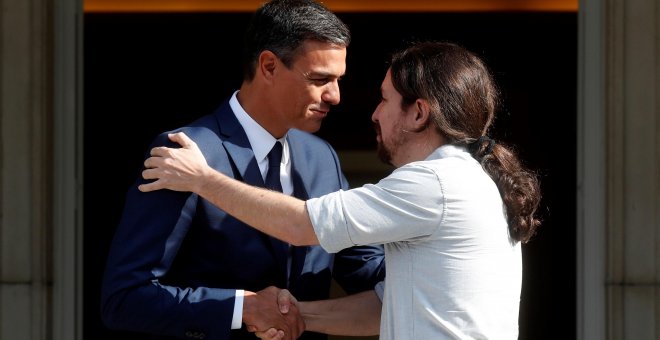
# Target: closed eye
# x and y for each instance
(319, 82)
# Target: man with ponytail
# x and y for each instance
(452, 215)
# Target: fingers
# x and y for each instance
(152, 162)
(270, 334)
(148, 187)
(182, 139)
(173, 168)
(162, 151)
(151, 172)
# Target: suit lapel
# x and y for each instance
(300, 177)
(301, 191)
(240, 152)
(243, 159)
(238, 146)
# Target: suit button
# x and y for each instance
(195, 334)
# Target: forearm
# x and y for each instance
(353, 315)
(185, 169)
(136, 309)
(281, 216)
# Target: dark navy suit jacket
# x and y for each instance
(176, 260)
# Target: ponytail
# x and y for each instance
(463, 98)
(518, 186)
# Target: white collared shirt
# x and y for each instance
(262, 142)
(453, 272)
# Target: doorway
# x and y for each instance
(145, 73)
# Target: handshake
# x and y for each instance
(274, 314)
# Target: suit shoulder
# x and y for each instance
(197, 132)
(308, 140)
(204, 128)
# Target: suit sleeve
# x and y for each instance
(152, 228)
(359, 268)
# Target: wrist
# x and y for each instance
(205, 182)
(309, 316)
(248, 306)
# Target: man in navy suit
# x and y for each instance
(181, 268)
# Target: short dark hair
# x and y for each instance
(282, 26)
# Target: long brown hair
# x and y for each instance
(463, 98)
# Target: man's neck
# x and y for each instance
(255, 101)
(420, 147)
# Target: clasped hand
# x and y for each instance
(273, 314)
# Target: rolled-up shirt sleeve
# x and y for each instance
(405, 205)
(334, 236)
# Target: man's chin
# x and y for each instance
(384, 154)
(311, 128)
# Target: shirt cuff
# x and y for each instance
(380, 290)
(237, 319)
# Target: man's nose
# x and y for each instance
(331, 93)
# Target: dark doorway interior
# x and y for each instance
(147, 73)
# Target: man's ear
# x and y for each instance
(267, 64)
(421, 115)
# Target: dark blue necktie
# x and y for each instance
(273, 174)
(273, 183)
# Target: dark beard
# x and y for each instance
(384, 154)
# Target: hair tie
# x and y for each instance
(477, 145)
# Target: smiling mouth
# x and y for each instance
(321, 112)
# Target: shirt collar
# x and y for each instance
(260, 139)
(450, 150)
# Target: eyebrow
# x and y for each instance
(321, 74)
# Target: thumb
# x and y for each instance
(285, 300)
(182, 139)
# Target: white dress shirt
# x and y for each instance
(262, 142)
(453, 272)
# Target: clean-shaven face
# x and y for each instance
(307, 90)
